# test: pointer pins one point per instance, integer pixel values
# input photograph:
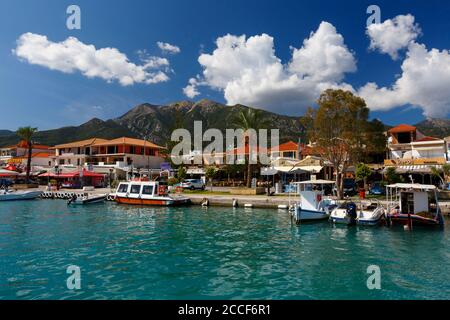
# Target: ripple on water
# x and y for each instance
(129, 252)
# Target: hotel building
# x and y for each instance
(410, 151)
(117, 153)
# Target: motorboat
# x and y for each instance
(344, 213)
(6, 195)
(413, 204)
(366, 215)
(86, 199)
(313, 204)
(153, 193)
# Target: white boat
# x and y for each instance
(313, 205)
(87, 199)
(371, 215)
(413, 204)
(344, 213)
(18, 195)
(151, 193)
(349, 214)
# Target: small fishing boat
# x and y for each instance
(152, 193)
(6, 195)
(313, 205)
(86, 199)
(413, 204)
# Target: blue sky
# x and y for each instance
(33, 94)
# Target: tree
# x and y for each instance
(341, 131)
(210, 172)
(246, 120)
(362, 172)
(442, 173)
(26, 134)
(181, 174)
(392, 176)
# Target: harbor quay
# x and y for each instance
(219, 198)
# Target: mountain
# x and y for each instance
(435, 127)
(93, 128)
(156, 123)
(5, 133)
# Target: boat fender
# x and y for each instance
(235, 203)
(205, 202)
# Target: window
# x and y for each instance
(123, 188)
(135, 188)
(148, 190)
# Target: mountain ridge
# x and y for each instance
(156, 122)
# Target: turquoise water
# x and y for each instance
(127, 252)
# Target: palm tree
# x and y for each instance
(246, 120)
(26, 134)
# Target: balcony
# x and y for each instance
(410, 162)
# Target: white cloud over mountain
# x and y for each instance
(72, 55)
(424, 80)
(168, 48)
(248, 71)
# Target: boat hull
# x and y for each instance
(416, 220)
(31, 195)
(88, 201)
(153, 202)
(312, 215)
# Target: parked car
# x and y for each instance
(350, 187)
(6, 183)
(377, 189)
(193, 184)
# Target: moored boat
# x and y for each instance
(313, 204)
(86, 199)
(413, 204)
(6, 195)
(152, 193)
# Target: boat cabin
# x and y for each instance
(412, 198)
(312, 193)
(141, 189)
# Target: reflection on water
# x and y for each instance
(127, 252)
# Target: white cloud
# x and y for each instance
(72, 55)
(393, 34)
(190, 90)
(248, 71)
(168, 48)
(424, 83)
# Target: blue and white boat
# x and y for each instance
(313, 204)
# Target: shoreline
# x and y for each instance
(226, 200)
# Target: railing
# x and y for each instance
(409, 162)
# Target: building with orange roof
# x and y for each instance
(412, 152)
(121, 152)
(15, 153)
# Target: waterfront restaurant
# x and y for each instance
(411, 152)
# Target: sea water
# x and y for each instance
(126, 252)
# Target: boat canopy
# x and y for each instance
(415, 186)
(315, 182)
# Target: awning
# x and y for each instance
(8, 173)
(426, 169)
(74, 174)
